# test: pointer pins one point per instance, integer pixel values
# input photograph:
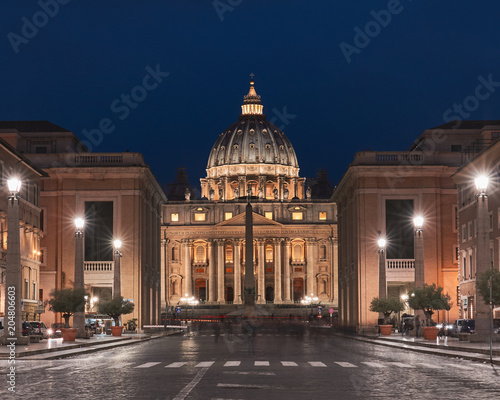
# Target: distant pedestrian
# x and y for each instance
(417, 326)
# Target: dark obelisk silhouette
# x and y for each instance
(249, 291)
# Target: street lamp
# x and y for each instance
(382, 281)
(418, 222)
(117, 273)
(13, 276)
(79, 317)
(481, 310)
(307, 300)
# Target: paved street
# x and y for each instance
(273, 364)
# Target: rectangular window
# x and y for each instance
(465, 268)
(268, 214)
(34, 291)
(26, 289)
(228, 215)
(399, 227)
(469, 225)
(174, 217)
(470, 266)
(98, 231)
(491, 220)
(454, 222)
(199, 217)
(464, 233)
(455, 254)
(322, 216)
(297, 216)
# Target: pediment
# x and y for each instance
(258, 220)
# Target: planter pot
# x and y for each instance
(385, 330)
(430, 332)
(69, 334)
(116, 330)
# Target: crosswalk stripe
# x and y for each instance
(119, 365)
(205, 364)
(374, 364)
(402, 365)
(147, 365)
(345, 364)
(261, 363)
(289, 364)
(232, 364)
(433, 366)
(175, 364)
(317, 364)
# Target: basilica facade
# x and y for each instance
(295, 235)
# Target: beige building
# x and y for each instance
(295, 235)
(118, 197)
(13, 164)
(487, 163)
(382, 192)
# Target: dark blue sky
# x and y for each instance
(74, 67)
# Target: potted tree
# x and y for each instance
(132, 325)
(429, 299)
(386, 306)
(67, 302)
(115, 308)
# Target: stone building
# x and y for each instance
(13, 164)
(295, 235)
(379, 195)
(116, 194)
(486, 163)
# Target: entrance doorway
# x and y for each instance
(229, 294)
(298, 289)
(269, 294)
(201, 289)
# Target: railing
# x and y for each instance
(399, 158)
(400, 264)
(98, 266)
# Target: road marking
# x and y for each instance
(147, 365)
(232, 364)
(175, 364)
(249, 373)
(317, 364)
(261, 363)
(374, 364)
(401, 365)
(119, 365)
(190, 386)
(236, 385)
(433, 366)
(57, 368)
(460, 367)
(345, 364)
(205, 364)
(289, 364)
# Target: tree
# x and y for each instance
(428, 299)
(67, 302)
(116, 307)
(386, 306)
(484, 288)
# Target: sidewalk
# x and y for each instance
(49, 349)
(448, 346)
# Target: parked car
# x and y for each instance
(38, 328)
(463, 326)
(26, 328)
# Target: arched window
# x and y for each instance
(229, 254)
(269, 253)
(200, 253)
(298, 252)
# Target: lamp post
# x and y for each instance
(481, 310)
(13, 277)
(419, 251)
(116, 273)
(79, 317)
(382, 281)
(307, 300)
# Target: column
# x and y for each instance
(211, 271)
(261, 275)
(188, 279)
(237, 272)
(286, 266)
(277, 270)
(311, 263)
(280, 187)
(164, 286)
(242, 180)
(220, 270)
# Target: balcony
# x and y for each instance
(400, 270)
(98, 273)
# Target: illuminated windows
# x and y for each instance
(174, 217)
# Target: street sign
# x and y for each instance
(39, 310)
(331, 310)
(178, 310)
(320, 309)
(40, 302)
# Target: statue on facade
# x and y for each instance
(275, 193)
(261, 192)
(211, 194)
(236, 192)
(187, 194)
(286, 193)
(221, 194)
(308, 193)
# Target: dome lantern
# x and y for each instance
(251, 102)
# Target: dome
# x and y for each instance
(252, 146)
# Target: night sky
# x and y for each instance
(333, 90)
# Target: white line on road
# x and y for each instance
(236, 385)
(345, 364)
(374, 364)
(433, 366)
(57, 368)
(317, 364)
(205, 364)
(401, 365)
(147, 365)
(289, 364)
(261, 363)
(120, 365)
(175, 364)
(190, 386)
(232, 364)
(460, 367)
(248, 373)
